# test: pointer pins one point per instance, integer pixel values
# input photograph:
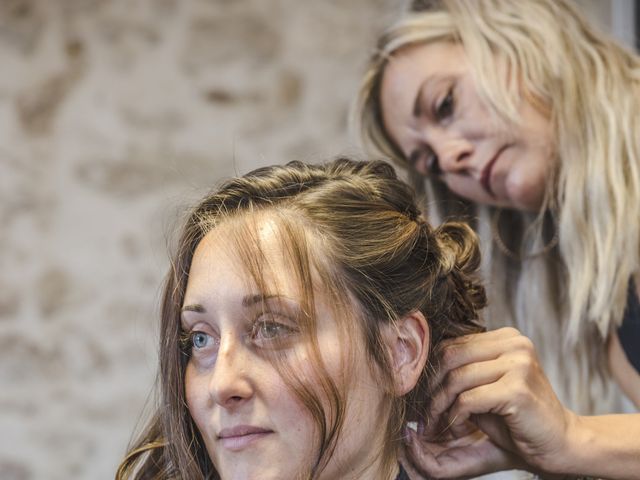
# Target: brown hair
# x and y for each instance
(379, 253)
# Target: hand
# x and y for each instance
(493, 380)
(469, 455)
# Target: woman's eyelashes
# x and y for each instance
(444, 109)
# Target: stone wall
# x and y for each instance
(114, 116)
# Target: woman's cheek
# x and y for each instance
(195, 390)
(468, 187)
(526, 189)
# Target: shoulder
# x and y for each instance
(624, 347)
(629, 330)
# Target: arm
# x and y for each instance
(606, 446)
(493, 381)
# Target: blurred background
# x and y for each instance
(115, 115)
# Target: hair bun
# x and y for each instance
(461, 261)
(459, 246)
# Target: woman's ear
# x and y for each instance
(409, 343)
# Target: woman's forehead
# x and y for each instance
(414, 68)
(241, 260)
(257, 249)
(440, 57)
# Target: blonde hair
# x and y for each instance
(357, 225)
(589, 85)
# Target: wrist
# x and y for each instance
(558, 457)
(571, 455)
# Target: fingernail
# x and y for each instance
(409, 432)
(406, 434)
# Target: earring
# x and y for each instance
(495, 233)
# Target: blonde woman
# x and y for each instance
(522, 119)
(285, 352)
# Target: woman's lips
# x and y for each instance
(485, 177)
(241, 436)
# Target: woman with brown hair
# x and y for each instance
(522, 119)
(302, 322)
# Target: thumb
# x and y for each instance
(494, 427)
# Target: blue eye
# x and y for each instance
(200, 340)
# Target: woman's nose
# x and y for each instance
(454, 152)
(230, 385)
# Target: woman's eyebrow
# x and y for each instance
(417, 103)
(250, 300)
(247, 301)
(194, 308)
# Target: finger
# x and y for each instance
(456, 433)
(418, 453)
(495, 429)
(480, 349)
(484, 402)
(465, 378)
(485, 399)
(446, 432)
(473, 459)
(521, 375)
(488, 336)
(413, 473)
